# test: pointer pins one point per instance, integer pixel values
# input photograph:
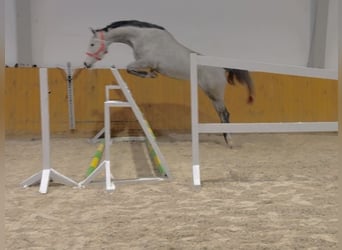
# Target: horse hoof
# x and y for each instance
(151, 75)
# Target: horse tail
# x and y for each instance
(243, 77)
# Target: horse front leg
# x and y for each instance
(135, 68)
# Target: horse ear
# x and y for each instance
(92, 30)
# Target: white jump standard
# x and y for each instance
(130, 103)
(47, 173)
(286, 127)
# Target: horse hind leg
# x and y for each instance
(224, 117)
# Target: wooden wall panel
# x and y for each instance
(165, 102)
(22, 113)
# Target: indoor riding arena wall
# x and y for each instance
(164, 102)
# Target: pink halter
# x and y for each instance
(102, 48)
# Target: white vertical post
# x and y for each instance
(109, 184)
(44, 111)
(194, 120)
(45, 127)
(107, 131)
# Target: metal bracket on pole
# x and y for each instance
(70, 89)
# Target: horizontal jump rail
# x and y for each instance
(286, 127)
(266, 67)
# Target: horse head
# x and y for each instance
(97, 48)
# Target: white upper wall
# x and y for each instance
(331, 53)
(275, 31)
(10, 33)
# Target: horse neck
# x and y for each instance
(126, 35)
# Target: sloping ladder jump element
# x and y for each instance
(130, 102)
(47, 173)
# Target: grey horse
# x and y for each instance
(157, 51)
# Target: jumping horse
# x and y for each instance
(157, 51)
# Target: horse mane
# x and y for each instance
(132, 23)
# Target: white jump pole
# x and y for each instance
(47, 172)
(285, 127)
(194, 120)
